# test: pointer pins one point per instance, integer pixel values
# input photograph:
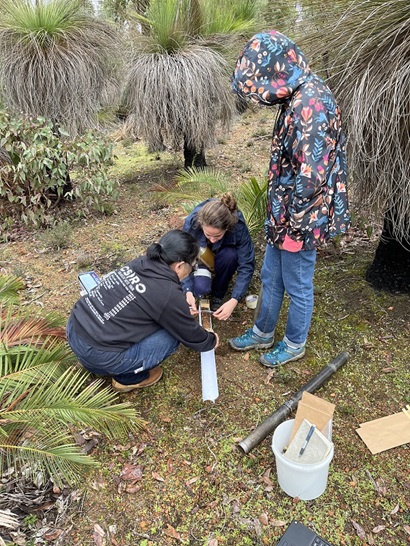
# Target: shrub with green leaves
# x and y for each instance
(41, 157)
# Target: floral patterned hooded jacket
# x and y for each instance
(307, 197)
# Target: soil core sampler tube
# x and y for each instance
(269, 425)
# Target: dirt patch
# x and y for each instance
(184, 480)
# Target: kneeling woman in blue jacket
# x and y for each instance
(137, 316)
(220, 229)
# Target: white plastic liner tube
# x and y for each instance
(208, 376)
(208, 370)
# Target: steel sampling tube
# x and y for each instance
(269, 425)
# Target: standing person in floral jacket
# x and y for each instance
(307, 199)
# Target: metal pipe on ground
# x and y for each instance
(269, 425)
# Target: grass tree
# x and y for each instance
(177, 90)
(57, 61)
(370, 74)
(45, 397)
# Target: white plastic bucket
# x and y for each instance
(305, 481)
(251, 301)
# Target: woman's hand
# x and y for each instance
(226, 309)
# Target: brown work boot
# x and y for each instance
(155, 375)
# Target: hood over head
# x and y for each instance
(270, 69)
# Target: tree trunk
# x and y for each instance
(193, 158)
(390, 270)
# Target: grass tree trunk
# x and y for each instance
(193, 157)
(390, 269)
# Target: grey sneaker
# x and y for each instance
(281, 354)
(250, 340)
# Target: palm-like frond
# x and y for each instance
(9, 288)
(252, 202)
(33, 359)
(196, 185)
(49, 452)
(45, 397)
(192, 186)
(18, 327)
(56, 60)
(67, 400)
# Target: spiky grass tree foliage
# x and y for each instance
(368, 54)
(45, 397)
(56, 60)
(177, 90)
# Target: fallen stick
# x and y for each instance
(269, 425)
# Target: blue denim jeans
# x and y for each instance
(291, 272)
(127, 367)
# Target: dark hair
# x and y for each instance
(175, 246)
(219, 213)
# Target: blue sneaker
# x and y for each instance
(250, 340)
(281, 354)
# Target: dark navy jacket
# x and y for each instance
(238, 238)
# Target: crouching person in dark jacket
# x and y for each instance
(138, 315)
(226, 248)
